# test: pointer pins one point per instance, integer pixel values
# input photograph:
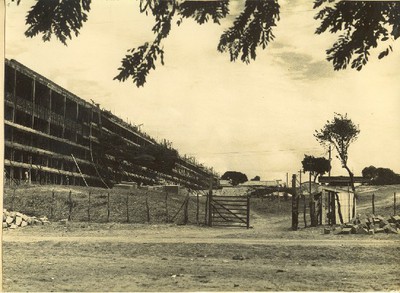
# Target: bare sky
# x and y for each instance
(258, 119)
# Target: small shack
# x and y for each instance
(338, 205)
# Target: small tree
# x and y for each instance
(256, 178)
(316, 166)
(381, 176)
(340, 132)
(235, 177)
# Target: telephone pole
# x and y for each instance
(330, 158)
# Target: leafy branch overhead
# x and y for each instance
(361, 25)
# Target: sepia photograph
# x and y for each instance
(201, 146)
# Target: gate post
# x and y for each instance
(248, 212)
(209, 203)
(295, 205)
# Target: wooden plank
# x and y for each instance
(231, 217)
(230, 225)
(230, 196)
(239, 203)
(230, 199)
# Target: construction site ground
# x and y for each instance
(81, 256)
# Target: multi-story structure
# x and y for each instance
(54, 137)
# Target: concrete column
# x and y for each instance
(15, 96)
(76, 119)
(65, 111)
(49, 107)
(33, 101)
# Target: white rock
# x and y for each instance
(9, 220)
(18, 221)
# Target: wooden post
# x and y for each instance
(127, 207)
(394, 203)
(166, 207)
(185, 211)
(323, 207)
(108, 207)
(295, 207)
(304, 203)
(52, 204)
(373, 203)
(89, 195)
(147, 209)
(13, 199)
(312, 205)
(339, 209)
(248, 212)
(210, 204)
(206, 212)
(70, 206)
(197, 208)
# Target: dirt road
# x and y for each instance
(100, 257)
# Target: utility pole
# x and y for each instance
(287, 179)
(330, 158)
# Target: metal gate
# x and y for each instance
(229, 211)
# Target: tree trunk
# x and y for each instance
(353, 189)
(351, 179)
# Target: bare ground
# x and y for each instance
(141, 257)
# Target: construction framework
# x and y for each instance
(51, 137)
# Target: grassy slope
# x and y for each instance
(383, 199)
(37, 201)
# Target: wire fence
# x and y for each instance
(96, 205)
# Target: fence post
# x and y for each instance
(373, 203)
(13, 199)
(394, 203)
(52, 205)
(295, 207)
(127, 207)
(70, 206)
(89, 206)
(197, 208)
(206, 212)
(108, 207)
(166, 207)
(210, 204)
(147, 208)
(185, 211)
(248, 212)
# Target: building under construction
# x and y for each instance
(54, 137)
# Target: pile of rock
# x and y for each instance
(13, 220)
(372, 224)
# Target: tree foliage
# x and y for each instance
(340, 132)
(317, 166)
(61, 18)
(235, 177)
(361, 25)
(256, 178)
(113, 153)
(381, 176)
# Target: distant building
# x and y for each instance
(267, 183)
(341, 180)
(225, 183)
